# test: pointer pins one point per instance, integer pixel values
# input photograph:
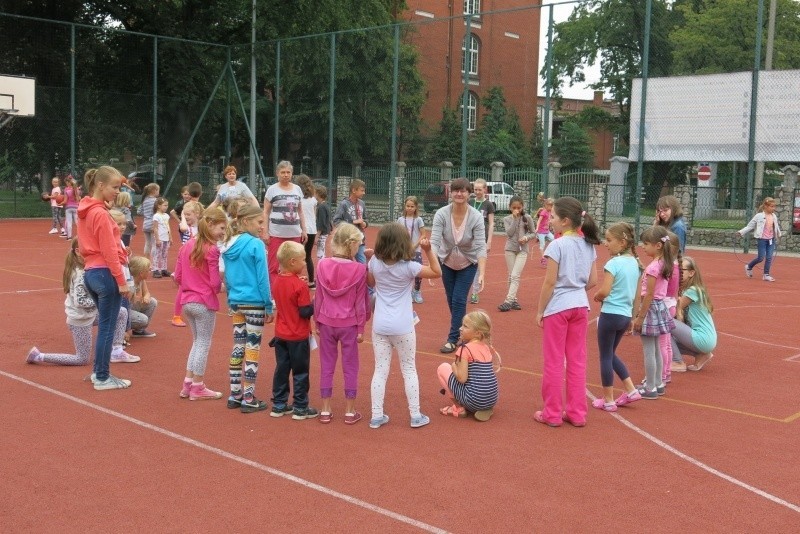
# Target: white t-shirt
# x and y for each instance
(163, 225)
(310, 214)
(284, 219)
(414, 226)
(575, 258)
(237, 190)
(393, 315)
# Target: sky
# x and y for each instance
(561, 12)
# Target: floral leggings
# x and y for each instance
(248, 323)
(82, 336)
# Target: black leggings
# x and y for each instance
(610, 329)
(309, 258)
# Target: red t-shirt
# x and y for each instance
(291, 294)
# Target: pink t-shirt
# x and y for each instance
(769, 227)
(544, 222)
(654, 269)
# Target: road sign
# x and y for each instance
(704, 173)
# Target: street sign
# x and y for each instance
(704, 173)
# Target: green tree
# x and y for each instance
(573, 146)
(446, 143)
(499, 136)
(717, 37)
(611, 32)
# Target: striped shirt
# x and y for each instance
(284, 217)
(480, 391)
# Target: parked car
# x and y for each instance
(796, 215)
(500, 194)
(436, 196)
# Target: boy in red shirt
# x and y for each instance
(292, 331)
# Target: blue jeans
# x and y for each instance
(766, 249)
(457, 286)
(104, 292)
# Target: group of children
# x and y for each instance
(353, 285)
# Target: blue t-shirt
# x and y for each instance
(625, 270)
(704, 333)
(575, 258)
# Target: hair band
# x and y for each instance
(665, 239)
(583, 214)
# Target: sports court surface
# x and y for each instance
(718, 453)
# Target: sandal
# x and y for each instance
(698, 367)
(455, 411)
(447, 348)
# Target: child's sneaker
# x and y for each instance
(177, 320)
(767, 278)
(112, 382)
(280, 411)
(504, 307)
(156, 274)
(473, 299)
(378, 422)
(416, 296)
(661, 390)
(234, 402)
(201, 392)
(186, 389)
(352, 418)
(300, 414)
(52, 231)
(649, 395)
(124, 357)
(34, 356)
(748, 272)
(515, 306)
(420, 420)
(253, 405)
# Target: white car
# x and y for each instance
(500, 194)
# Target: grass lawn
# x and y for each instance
(19, 204)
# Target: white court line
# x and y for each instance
(697, 463)
(229, 456)
(23, 291)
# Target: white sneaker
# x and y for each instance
(748, 272)
(768, 278)
(53, 231)
(112, 382)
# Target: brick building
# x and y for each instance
(603, 142)
(502, 49)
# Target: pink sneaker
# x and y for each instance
(34, 356)
(201, 392)
(186, 389)
(124, 357)
(625, 399)
(600, 404)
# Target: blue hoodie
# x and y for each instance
(246, 271)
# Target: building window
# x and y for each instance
(470, 48)
(472, 7)
(472, 111)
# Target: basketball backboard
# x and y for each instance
(17, 96)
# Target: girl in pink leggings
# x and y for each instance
(564, 313)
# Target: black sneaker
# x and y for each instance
(166, 273)
(504, 307)
(254, 405)
(515, 306)
(156, 274)
(142, 333)
(280, 411)
(304, 413)
(234, 403)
